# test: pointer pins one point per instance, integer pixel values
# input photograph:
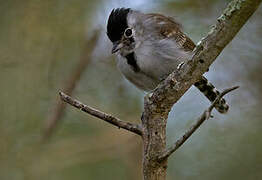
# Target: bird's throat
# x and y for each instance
(131, 60)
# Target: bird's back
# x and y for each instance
(161, 44)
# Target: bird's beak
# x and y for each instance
(116, 46)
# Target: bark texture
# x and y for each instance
(158, 104)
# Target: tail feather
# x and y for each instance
(211, 93)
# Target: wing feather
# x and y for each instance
(170, 29)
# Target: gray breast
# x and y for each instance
(138, 78)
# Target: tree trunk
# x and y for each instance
(154, 138)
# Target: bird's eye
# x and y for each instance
(128, 33)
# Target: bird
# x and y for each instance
(150, 46)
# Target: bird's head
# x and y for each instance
(119, 32)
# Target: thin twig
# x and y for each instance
(205, 116)
(135, 128)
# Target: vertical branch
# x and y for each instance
(154, 141)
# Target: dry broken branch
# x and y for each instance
(135, 128)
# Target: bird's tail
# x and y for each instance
(211, 93)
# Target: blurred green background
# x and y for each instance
(41, 42)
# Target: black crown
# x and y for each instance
(117, 23)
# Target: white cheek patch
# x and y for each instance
(132, 20)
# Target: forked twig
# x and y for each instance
(205, 116)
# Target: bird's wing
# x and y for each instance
(168, 28)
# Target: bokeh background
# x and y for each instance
(41, 44)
